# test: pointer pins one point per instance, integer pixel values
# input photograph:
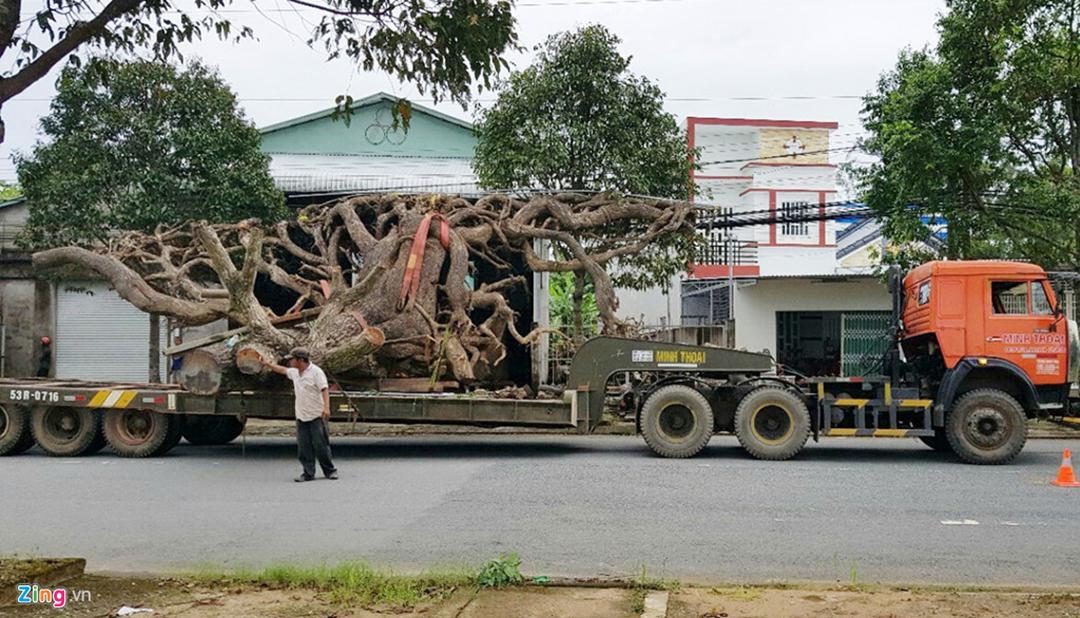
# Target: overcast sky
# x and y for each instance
(711, 57)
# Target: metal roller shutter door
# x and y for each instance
(100, 336)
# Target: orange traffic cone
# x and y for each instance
(1066, 477)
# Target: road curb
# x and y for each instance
(656, 604)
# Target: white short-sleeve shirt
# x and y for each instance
(307, 389)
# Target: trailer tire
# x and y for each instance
(172, 438)
(212, 430)
(676, 421)
(15, 435)
(136, 433)
(939, 441)
(986, 426)
(63, 431)
(772, 423)
(98, 443)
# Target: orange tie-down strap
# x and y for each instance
(410, 283)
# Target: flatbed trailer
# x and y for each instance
(681, 395)
(139, 420)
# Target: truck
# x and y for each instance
(978, 348)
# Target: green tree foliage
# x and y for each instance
(444, 47)
(9, 191)
(577, 119)
(985, 131)
(561, 305)
(133, 145)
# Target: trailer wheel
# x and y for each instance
(986, 426)
(212, 430)
(15, 435)
(939, 441)
(136, 433)
(172, 438)
(772, 423)
(61, 431)
(676, 421)
(98, 443)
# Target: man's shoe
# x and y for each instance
(332, 476)
(303, 478)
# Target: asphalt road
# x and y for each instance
(878, 510)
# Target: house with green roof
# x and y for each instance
(322, 154)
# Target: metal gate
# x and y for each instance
(864, 339)
(100, 336)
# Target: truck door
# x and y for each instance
(1021, 328)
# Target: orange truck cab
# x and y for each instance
(989, 336)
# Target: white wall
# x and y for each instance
(787, 260)
(756, 305)
(652, 307)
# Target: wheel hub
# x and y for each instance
(63, 424)
(987, 428)
(135, 426)
(772, 423)
(3, 422)
(676, 421)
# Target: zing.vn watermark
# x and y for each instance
(32, 594)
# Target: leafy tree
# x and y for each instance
(9, 191)
(134, 145)
(984, 130)
(442, 46)
(577, 119)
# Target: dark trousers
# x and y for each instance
(313, 442)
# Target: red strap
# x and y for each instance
(410, 283)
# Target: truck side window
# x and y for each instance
(1009, 297)
(1040, 304)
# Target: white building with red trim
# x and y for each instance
(761, 167)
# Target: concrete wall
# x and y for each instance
(652, 307)
(26, 313)
(756, 305)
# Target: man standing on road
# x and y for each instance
(312, 394)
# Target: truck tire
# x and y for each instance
(772, 423)
(676, 421)
(63, 431)
(939, 441)
(172, 437)
(212, 430)
(15, 435)
(986, 426)
(136, 433)
(98, 443)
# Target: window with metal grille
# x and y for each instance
(793, 216)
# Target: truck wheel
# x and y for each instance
(212, 430)
(136, 433)
(61, 431)
(98, 443)
(772, 423)
(939, 441)
(172, 437)
(15, 435)
(986, 426)
(676, 421)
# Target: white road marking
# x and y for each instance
(959, 522)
